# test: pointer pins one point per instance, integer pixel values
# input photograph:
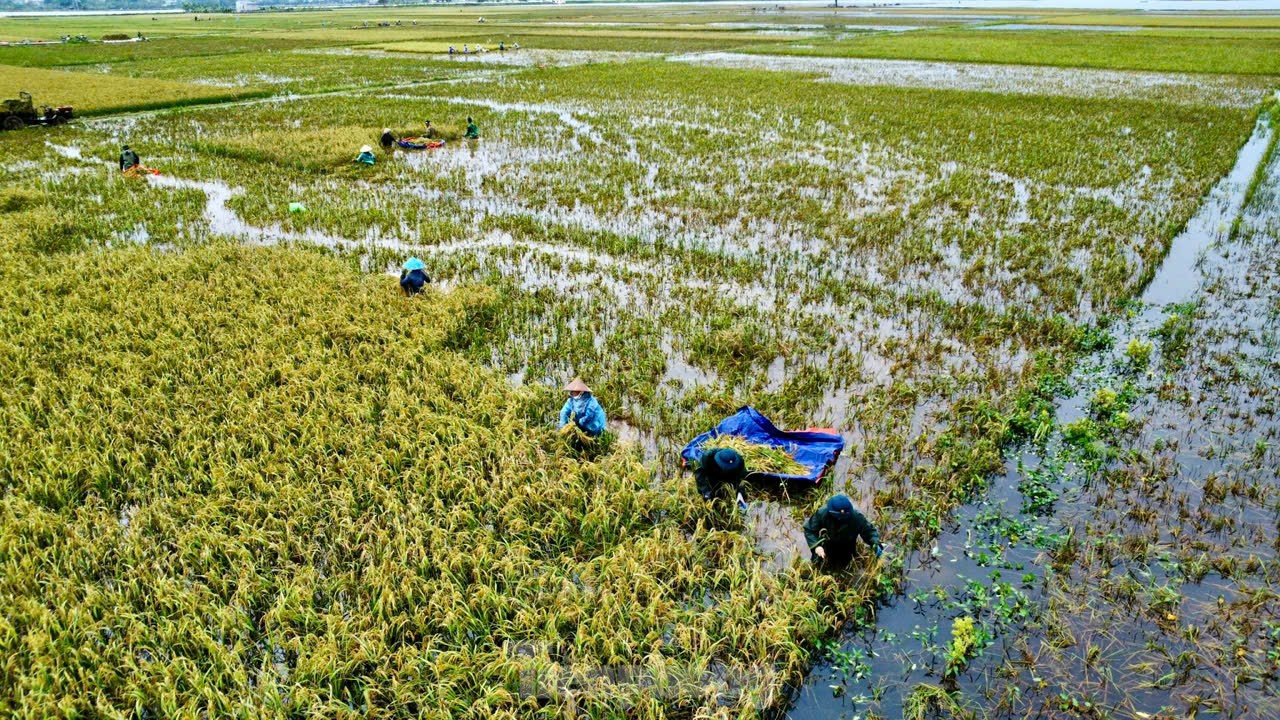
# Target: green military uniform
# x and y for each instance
(128, 158)
(836, 528)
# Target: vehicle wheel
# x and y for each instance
(13, 122)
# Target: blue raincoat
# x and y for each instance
(586, 413)
(365, 157)
(412, 282)
(413, 277)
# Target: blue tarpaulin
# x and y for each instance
(816, 450)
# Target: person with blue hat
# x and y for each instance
(834, 530)
(413, 278)
(720, 469)
(583, 410)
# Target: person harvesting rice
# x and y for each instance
(128, 158)
(834, 529)
(413, 277)
(719, 469)
(763, 458)
(583, 410)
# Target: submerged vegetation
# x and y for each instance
(1226, 51)
(243, 475)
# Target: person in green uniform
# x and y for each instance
(834, 530)
(128, 158)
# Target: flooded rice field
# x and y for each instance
(1020, 79)
(1116, 568)
(524, 57)
(1073, 28)
(1037, 303)
(633, 241)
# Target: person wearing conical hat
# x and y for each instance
(413, 277)
(366, 155)
(582, 409)
(388, 139)
(834, 530)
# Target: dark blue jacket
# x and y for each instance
(412, 281)
(712, 480)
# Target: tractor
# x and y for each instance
(17, 114)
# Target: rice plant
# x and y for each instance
(243, 475)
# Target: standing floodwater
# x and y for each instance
(230, 442)
(1085, 582)
(1176, 279)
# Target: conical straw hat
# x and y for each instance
(577, 386)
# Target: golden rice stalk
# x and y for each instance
(759, 458)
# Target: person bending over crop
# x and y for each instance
(834, 530)
(388, 139)
(720, 469)
(582, 409)
(366, 155)
(429, 132)
(128, 158)
(473, 130)
(413, 278)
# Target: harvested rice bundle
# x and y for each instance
(759, 458)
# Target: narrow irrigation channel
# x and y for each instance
(1097, 577)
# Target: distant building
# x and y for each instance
(244, 6)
